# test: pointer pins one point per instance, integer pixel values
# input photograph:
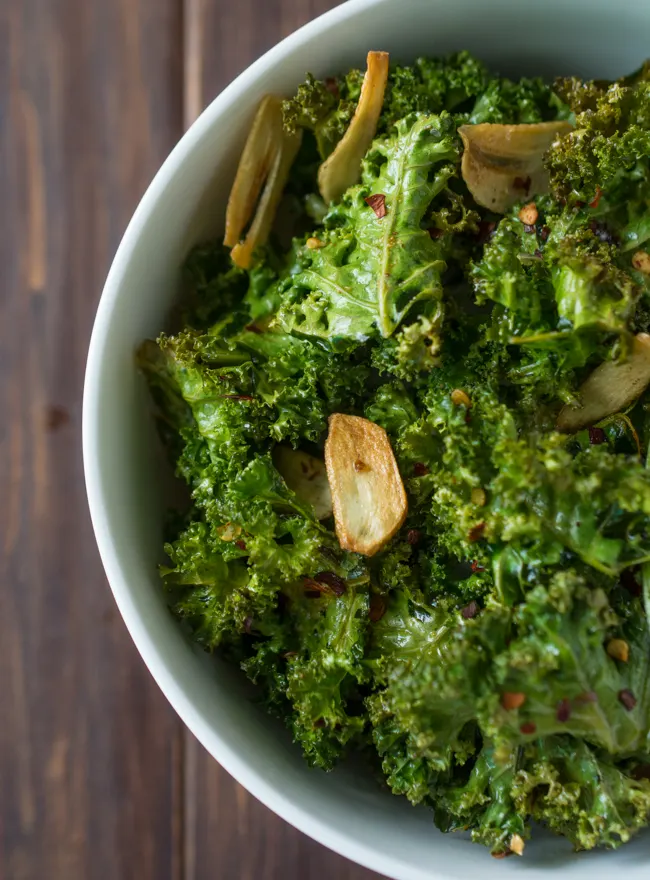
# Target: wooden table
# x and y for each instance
(99, 780)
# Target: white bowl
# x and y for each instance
(344, 810)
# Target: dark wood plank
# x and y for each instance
(228, 833)
(90, 753)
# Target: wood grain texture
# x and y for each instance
(99, 779)
(227, 832)
(90, 753)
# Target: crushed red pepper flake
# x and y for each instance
(544, 233)
(377, 607)
(332, 86)
(596, 199)
(378, 204)
(336, 583)
(476, 567)
(413, 536)
(627, 699)
(476, 532)
(528, 728)
(420, 469)
(563, 712)
(512, 700)
(597, 436)
(529, 215)
(241, 545)
(360, 466)
(435, 233)
(470, 611)
(641, 262)
(237, 396)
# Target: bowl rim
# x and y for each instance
(308, 822)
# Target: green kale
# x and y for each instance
(493, 656)
(372, 270)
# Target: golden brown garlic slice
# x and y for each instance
(266, 161)
(503, 164)
(306, 476)
(342, 168)
(368, 495)
(612, 387)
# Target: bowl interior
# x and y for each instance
(345, 810)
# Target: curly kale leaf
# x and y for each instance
(522, 102)
(214, 597)
(307, 660)
(372, 270)
(609, 145)
(580, 793)
(324, 107)
(485, 803)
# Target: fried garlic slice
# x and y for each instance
(342, 169)
(611, 388)
(368, 495)
(503, 164)
(266, 161)
(306, 476)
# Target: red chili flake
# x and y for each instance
(237, 396)
(629, 581)
(378, 204)
(476, 567)
(420, 470)
(332, 580)
(253, 328)
(486, 230)
(586, 697)
(538, 253)
(522, 183)
(544, 233)
(627, 698)
(360, 466)
(413, 536)
(528, 228)
(435, 233)
(476, 532)
(596, 199)
(377, 607)
(240, 545)
(528, 728)
(563, 712)
(332, 86)
(320, 722)
(597, 436)
(470, 611)
(579, 205)
(512, 700)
